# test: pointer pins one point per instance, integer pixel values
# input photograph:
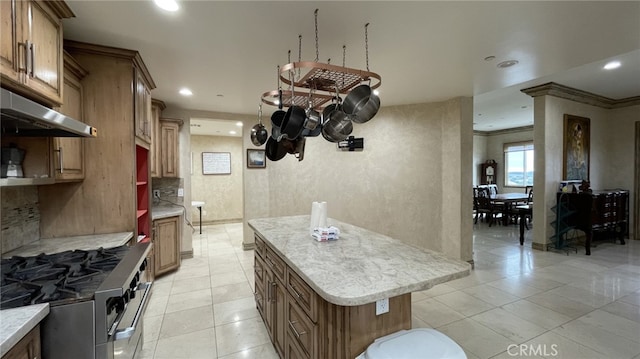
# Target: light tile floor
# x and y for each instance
(517, 303)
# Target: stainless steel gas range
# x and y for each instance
(97, 299)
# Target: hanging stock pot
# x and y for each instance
(361, 104)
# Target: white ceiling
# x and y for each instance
(226, 52)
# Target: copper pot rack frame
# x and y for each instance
(320, 80)
(318, 83)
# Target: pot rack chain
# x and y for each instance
(321, 82)
(366, 43)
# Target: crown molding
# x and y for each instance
(503, 132)
(570, 93)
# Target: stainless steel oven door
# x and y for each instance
(127, 338)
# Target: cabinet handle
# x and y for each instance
(295, 332)
(60, 159)
(293, 288)
(25, 46)
(273, 285)
(27, 50)
(33, 59)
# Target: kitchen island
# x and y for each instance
(18, 322)
(318, 299)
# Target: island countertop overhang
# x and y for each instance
(359, 268)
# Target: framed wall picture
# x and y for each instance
(216, 163)
(576, 147)
(256, 158)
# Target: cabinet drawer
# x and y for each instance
(259, 297)
(260, 246)
(300, 329)
(258, 269)
(302, 294)
(275, 263)
(292, 350)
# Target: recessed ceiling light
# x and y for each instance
(169, 5)
(185, 92)
(508, 63)
(489, 58)
(220, 95)
(612, 65)
(232, 132)
(239, 124)
(523, 106)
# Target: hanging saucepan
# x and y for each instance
(275, 151)
(259, 133)
(361, 104)
(336, 126)
(293, 122)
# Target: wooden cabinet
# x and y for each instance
(270, 294)
(68, 152)
(142, 105)
(157, 107)
(31, 59)
(111, 184)
(27, 348)
(166, 244)
(311, 327)
(169, 147)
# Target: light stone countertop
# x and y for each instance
(61, 244)
(361, 266)
(159, 212)
(15, 323)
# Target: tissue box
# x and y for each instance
(322, 234)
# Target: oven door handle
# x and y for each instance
(129, 331)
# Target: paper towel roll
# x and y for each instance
(315, 216)
(322, 220)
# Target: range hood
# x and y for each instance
(23, 117)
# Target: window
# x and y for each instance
(518, 160)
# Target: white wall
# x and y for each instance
(222, 193)
(611, 152)
(479, 156)
(411, 182)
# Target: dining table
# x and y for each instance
(508, 200)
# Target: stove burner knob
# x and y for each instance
(143, 265)
(119, 305)
(126, 296)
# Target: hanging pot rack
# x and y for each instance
(318, 83)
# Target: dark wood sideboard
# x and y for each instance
(601, 215)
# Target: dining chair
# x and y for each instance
(484, 206)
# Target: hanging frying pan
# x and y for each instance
(275, 150)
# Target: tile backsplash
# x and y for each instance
(168, 188)
(20, 217)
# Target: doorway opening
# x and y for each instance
(216, 170)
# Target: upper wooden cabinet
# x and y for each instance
(110, 185)
(142, 108)
(31, 59)
(169, 148)
(69, 151)
(157, 107)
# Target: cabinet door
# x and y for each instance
(166, 244)
(274, 310)
(9, 55)
(44, 32)
(28, 347)
(154, 150)
(69, 151)
(169, 134)
(142, 108)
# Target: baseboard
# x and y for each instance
(473, 264)
(540, 246)
(186, 254)
(218, 221)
